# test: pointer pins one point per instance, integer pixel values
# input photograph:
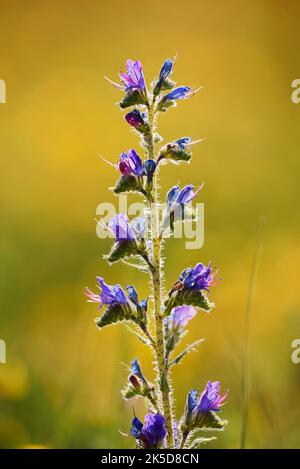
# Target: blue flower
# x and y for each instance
(144, 305)
(136, 428)
(136, 369)
(152, 433)
(192, 400)
(163, 81)
(132, 294)
(198, 278)
(136, 119)
(120, 227)
(211, 398)
(177, 196)
(149, 168)
(199, 411)
(139, 226)
(179, 318)
(133, 78)
(183, 142)
(110, 294)
(174, 325)
(165, 69)
(181, 92)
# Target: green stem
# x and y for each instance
(156, 281)
(183, 441)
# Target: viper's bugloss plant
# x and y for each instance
(162, 322)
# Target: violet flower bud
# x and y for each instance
(137, 120)
(150, 435)
(182, 92)
(163, 82)
(175, 323)
(149, 168)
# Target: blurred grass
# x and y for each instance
(60, 387)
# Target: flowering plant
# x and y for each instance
(161, 326)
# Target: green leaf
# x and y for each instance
(200, 441)
(121, 249)
(164, 104)
(139, 336)
(116, 313)
(173, 152)
(140, 267)
(210, 421)
(163, 85)
(187, 296)
(133, 98)
(129, 392)
(189, 349)
(128, 183)
(112, 314)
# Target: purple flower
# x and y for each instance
(110, 294)
(179, 93)
(136, 119)
(211, 398)
(152, 433)
(198, 278)
(120, 227)
(177, 196)
(199, 410)
(130, 163)
(179, 317)
(133, 78)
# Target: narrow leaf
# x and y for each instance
(189, 349)
(200, 441)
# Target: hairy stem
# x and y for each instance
(156, 281)
(183, 441)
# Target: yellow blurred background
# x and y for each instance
(60, 386)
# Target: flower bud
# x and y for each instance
(134, 382)
(137, 120)
(149, 168)
(163, 82)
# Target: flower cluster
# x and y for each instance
(162, 324)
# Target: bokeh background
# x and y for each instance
(60, 386)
